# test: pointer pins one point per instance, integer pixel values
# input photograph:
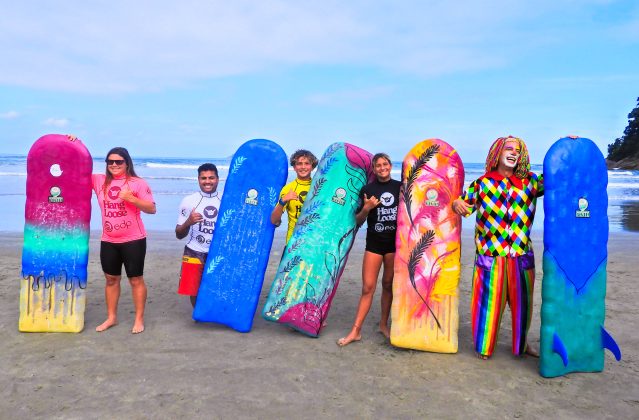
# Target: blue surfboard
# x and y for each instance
(315, 256)
(238, 256)
(573, 337)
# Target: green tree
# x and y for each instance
(628, 144)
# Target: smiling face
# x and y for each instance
(509, 156)
(116, 165)
(382, 169)
(303, 168)
(208, 181)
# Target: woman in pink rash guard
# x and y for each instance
(121, 197)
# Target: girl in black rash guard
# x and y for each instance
(379, 209)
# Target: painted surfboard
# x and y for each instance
(424, 313)
(315, 256)
(234, 270)
(573, 291)
(56, 236)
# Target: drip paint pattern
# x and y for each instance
(315, 256)
(427, 261)
(56, 236)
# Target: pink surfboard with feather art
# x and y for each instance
(427, 260)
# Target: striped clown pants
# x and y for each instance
(495, 281)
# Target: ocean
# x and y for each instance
(171, 179)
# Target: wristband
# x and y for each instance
(282, 202)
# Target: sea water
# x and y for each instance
(171, 179)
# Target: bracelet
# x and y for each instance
(282, 202)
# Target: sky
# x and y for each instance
(198, 78)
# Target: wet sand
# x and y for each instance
(179, 368)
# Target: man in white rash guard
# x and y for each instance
(196, 219)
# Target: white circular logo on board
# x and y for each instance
(340, 193)
(55, 170)
(55, 191)
(252, 193)
(583, 204)
(431, 194)
(387, 199)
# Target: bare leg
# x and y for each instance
(111, 296)
(532, 352)
(370, 270)
(387, 293)
(138, 289)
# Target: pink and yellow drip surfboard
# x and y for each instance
(56, 236)
(427, 261)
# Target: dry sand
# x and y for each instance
(179, 368)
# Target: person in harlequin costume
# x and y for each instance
(504, 199)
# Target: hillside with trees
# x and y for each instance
(624, 152)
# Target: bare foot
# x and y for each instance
(138, 327)
(384, 330)
(354, 335)
(531, 351)
(344, 341)
(482, 356)
(106, 325)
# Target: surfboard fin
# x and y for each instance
(609, 343)
(559, 348)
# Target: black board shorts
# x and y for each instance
(380, 246)
(130, 254)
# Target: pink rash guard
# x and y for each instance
(121, 221)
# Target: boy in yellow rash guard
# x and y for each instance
(294, 193)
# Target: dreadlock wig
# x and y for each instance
(523, 165)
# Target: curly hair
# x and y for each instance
(523, 164)
(303, 153)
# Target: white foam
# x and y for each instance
(631, 185)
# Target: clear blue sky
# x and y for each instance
(197, 78)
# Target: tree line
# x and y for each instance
(627, 146)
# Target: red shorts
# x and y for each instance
(191, 275)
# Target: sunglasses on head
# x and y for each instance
(114, 161)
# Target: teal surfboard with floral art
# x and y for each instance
(315, 256)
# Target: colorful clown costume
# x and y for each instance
(495, 281)
(504, 263)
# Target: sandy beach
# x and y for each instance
(179, 368)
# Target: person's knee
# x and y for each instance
(368, 289)
(136, 281)
(112, 280)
